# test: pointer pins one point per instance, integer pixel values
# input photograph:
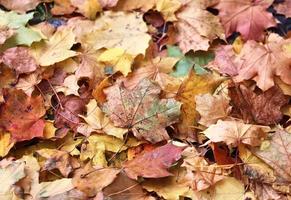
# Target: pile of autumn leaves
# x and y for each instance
(108, 105)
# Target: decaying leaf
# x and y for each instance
(20, 6)
(261, 108)
(21, 115)
(141, 110)
(153, 164)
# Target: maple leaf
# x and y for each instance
(56, 49)
(233, 15)
(201, 175)
(263, 62)
(66, 114)
(263, 108)
(108, 3)
(125, 188)
(21, 115)
(212, 108)
(153, 164)
(62, 7)
(192, 33)
(22, 35)
(56, 159)
(168, 8)
(192, 86)
(276, 153)
(235, 132)
(98, 122)
(19, 59)
(92, 180)
(119, 30)
(27, 83)
(141, 110)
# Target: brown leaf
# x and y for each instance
(197, 29)
(235, 132)
(263, 108)
(284, 8)
(276, 153)
(60, 160)
(211, 108)
(129, 5)
(153, 164)
(21, 115)
(92, 180)
(141, 110)
(233, 15)
(125, 188)
(66, 114)
(19, 59)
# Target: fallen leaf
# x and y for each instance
(192, 33)
(276, 153)
(108, 3)
(5, 144)
(5, 33)
(48, 189)
(192, 86)
(56, 49)
(19, 59)
(153, 164)
(22, 34)
(69, 86)
(235, 132)
(141, 110)
(125, 188)
(88, 8)
(168, 8)
(263, 108)
(67, 113)
(28, 83)
(20, 6)
(97, 121)
(92, 180)
(10, 173)
(21, 115)
(119, 30)
(233, 14)
(283, 8)
(170, 188)
(118, 58)
(60, 160)
(212, 108)
(96, 147)
(129, 5)
(262, 62)
(62, 7)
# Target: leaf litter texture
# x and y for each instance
(144, 100)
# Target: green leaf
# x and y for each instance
(17, 22)
(189, 61)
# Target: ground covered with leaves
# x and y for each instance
(145, 99)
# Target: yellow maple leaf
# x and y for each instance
(88, 8)
(56, 49)
(118, 58)
(168, 8)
